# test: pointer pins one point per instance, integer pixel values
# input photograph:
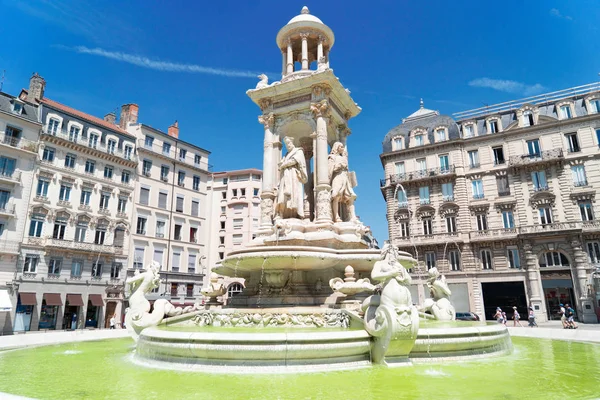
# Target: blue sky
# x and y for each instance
(194, 61)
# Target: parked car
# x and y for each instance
(467, 316)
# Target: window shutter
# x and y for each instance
(144, 196)
(162, 200)
(195, 208)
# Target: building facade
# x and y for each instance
(234, 217)
(502, 201)
(171, 209)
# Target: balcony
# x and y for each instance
(557, 227)
(504, 193)
(492, 234)
(82, 247)
(431, 173)
(544, 157)
(436, 238)
(448, 198)
(478, 196)
(8, 210)
(11, 177)
(18, 143)
(580, 183)
(541, 188)
(104, 211)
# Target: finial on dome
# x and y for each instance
(422, 105)
(304, 10)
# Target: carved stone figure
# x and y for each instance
(290, 194)
(439, 305)
(214, 289)
(341, 186)
(350, 286)
(390, 316)
(138, 316)
(264, 81)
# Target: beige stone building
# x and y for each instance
(234, 217)
(502, 200)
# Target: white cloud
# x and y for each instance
(157, 65)
(508, 86)
(556, 13)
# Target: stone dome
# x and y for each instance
(306, 22)
(305, 16)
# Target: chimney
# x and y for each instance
(110, 117)
(37, 85)
(129, 115)
(174, 130)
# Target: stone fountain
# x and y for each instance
(309, 234)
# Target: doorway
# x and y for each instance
(71, 317)
(505, 295)
(558, 289)
(110, 310)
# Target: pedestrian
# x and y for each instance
(498, 315)
(504, 319)
(563, 316)
(570, 317)
(531, 318)
(516, 317)
(113, 322)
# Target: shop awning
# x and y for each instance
(96, 300)
(5, 303)
(28, 299)
(75, 300)
(53, 299)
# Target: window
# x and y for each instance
(481, 222)
(7, 166)
(572, 142)
(223, 195)
(565, 111)
(440, 135)
(104, 198)
(84, 199)
(181, 178)
(160, 229)
(59, 230)
(533, 148)
(54, 266)
(578, 173)
(48, 154)
(148, 142)
(419, 140)
(166, 148)
(127, 153)
(108, 172)
(224, 181)
(125, 176)
(430, 260)
(477, 186)
(404, 232)
(256, 192)
(189, 290)
(174, 289)
(115, 270)
(454, 260)
(17, 107)
(448, 191)
(508, 220)
(468, 131)
(498, 155)
(486, 259)
(399, 168)
(234, 289)
(53, 126)
(111, 146)
(182, 154)
(191, 264)
(162, 200)
(243, 192)
(141, 226)
(474, 158)
(594, 252)
(234, 192)
(527, 118)
(222, 239)
(138, 258)
(444, 163)
(238, 208)
(554, 259)
(96, 270)
(424, 195)
(421, 165)
(221, 255)
(193, 235)
(93, 141)
(222, 224)
(164, 173)
(176, 261)
(513, 259)
(195, 208)
(538, 178)
(30, 264)
(4, 196)
(586, 211)
(179, 204)
(12, 135)
(502, 184)
(65, 193)
(397, 143)
(76, 268)
(402, 199)
(427, 226)
(238, 223)
(237, 239)
(197, 160)
(122, 205)
(493, 125)
(42, 188)
(146, 167)
(100, 235)
(90, 167)
(196, 183)
(144, 196)
(451, 224)
(70, 161)
(545, 214)
(80, 232)
(177, 232)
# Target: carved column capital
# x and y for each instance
(267, 120)
(320, 109)
(264, 104)
(304, 35)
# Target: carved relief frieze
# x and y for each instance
(294, 100)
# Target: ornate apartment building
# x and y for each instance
(170, 210)
(234, 217)
(502, 200)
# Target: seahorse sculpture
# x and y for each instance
(264, 81)
(439, 304)
(138, 315)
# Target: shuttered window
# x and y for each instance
(144, 196)
(195, 208)
(179, 205)
(162, 200)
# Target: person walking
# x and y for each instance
(113, 322)
(504, 319)
(563, 316)
(516, 317)
(570, 317)
(531, 318)
(498, 315)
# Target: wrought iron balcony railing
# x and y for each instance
(543, 156)
(418, 175)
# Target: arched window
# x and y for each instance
(234, 289)
(554, 259)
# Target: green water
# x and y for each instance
(538, 369)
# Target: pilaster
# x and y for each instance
(536, 290)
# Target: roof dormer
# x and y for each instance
(17, 105)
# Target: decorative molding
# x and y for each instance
(294, 100)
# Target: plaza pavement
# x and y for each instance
(553, 330)
(58, 337)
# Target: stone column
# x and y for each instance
(283, 62)
(290, 57)
(307, 148)
(321, 111)
(267, 194)
(304, 37)
(580, 283)
(536, 299)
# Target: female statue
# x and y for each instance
(290, 191)
(341, 187)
